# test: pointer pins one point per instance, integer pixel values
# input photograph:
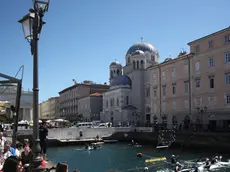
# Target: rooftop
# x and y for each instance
(207, 36)
(95, 95)
(85, 85)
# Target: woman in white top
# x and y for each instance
(2, 139)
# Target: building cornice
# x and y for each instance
(210, 35)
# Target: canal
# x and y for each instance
(121, 157)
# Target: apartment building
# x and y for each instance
(169, 86)
(210, 76)
(9, 94)
(194, 87)
(90, 106)
(69, 97)
(49, 109)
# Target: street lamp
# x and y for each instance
(32, 25)
(202, 111)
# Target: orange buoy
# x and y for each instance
(139, 154)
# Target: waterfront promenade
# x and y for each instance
(71, 136)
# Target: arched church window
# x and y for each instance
(128, 59)
(127, 100)
(134, 64)
(137, 64)
(114, 71)
(147, 110)
(111, 74)
(152, 57)
(118, 71)
(142, 64)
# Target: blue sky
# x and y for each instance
(82, 37)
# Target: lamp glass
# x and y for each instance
(42, 5)
(27, 25)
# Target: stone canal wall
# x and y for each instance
(217, 141)
(143, 135)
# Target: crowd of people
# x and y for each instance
(19, 157)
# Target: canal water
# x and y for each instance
(121, 157)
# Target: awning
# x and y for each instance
(219, 117)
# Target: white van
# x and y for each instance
(84, 125)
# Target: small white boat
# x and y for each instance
(137, 146)
(212, 166)
(89, 148)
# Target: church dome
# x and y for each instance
(143, 46)
(121, 80)
(115, 63)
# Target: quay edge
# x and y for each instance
(188, 140)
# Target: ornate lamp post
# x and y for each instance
(32, 25)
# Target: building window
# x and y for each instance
(211, 100)
(173, 72)
(128, 59)
(227, 78)
(107, 103)
(197, 66)
(164, 90)
(227, 57)
(127, 100)
(210, 44)
(211, 82)
(211, 62)
(152, 57)
(112, 102)
(154, 78)
(227, 98)
(186, 87)
(198, 102)
(163, 75)
(198, 83)
(186, 68)
(155, 92)
(134, 65)
(163, 107)
(147, 91)
(197, 49)
(186, 103)
(174, 89)
(154, 75)
(174, 105)
(227, 38)
(118, 102)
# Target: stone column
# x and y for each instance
(23, 113)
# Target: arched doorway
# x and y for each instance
(112, 118)
(174, 121)
(187, 122)
(164, 121)
(148, 115)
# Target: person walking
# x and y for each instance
(43, 133)
(2, 139)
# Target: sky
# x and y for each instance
(82, 37)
